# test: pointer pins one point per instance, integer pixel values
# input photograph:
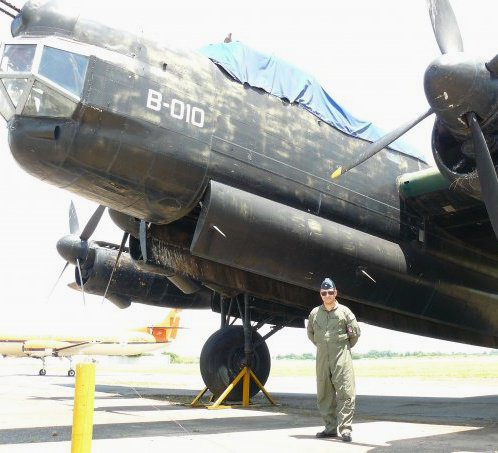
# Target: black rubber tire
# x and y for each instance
(42, 372)
(70, 373)
(221, 361)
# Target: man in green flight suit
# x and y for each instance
(333, 329)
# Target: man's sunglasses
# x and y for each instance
(327, 293)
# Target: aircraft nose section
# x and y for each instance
(72, 248)
(454, 85)
(40, 146)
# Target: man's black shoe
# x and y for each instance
(346, 437)
(325, 434)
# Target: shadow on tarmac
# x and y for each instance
(486, 438)
(294, 411)
(194, 426)
(332, 440)
(474, 410)
(478, 440)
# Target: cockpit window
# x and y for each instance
(15, 88)
(17, 58)
(66, 69)
(16, 25)
(5, 108)
(44, 101)
(39, 80)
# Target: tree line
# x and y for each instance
(374, 354)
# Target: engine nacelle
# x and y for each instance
(454, 157)
(130, 284)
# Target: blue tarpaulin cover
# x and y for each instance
(281, 79)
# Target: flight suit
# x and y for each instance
(334, 333)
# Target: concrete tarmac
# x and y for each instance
(135, 411)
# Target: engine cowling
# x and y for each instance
(455, 159)
(130, 283)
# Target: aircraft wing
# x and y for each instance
(45, 348)
(72, 349)
(441, 211)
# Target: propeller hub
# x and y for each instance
(456, 84)
(72, 248)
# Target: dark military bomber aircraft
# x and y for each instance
(242, 201)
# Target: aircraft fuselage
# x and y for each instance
(146, 142)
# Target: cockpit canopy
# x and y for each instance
(40, 79)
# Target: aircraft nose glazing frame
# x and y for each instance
(9, 106)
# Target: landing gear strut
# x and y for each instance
(70, 372)
(43, 371)
(235, 360)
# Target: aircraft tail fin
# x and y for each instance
(166, 330)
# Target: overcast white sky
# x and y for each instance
(370, 55)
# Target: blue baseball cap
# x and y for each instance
(327, 284)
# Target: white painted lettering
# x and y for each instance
(177, 109)
(187, 117)
(174, 113)
(197, 117)
(154, 99)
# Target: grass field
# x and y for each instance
(437, 367)
(444, 367)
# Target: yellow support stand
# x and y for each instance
(246, 374)
(84, 392)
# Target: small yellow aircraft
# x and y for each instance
(130, 342)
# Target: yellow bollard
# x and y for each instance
(84, 392)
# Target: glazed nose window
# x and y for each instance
(17, 58)
(15, 88)
(66, 69)
(40, 80)
(15, 65)
(44, 101)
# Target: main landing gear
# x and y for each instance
(235, 360)
(70, 372)
(43, 371)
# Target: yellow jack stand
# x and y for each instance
(246, 374)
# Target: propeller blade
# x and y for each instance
(92, 223)
(74, 225)
(380, 144)
(121, 248)
(445, 26)
(486, 171)
(81, 280)
(57, 281)
(143, 239)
